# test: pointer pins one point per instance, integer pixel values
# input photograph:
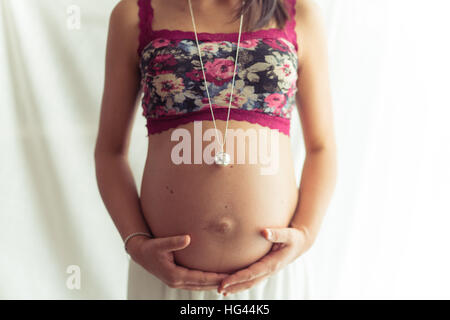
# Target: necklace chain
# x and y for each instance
(204, 77)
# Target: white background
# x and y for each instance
(386, 234)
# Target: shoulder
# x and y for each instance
(308, 13)
(124, 27)
(310, 25)
(125, 13)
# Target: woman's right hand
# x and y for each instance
(156, 256)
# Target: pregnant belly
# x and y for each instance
(223, 209)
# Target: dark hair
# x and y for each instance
(258, 13)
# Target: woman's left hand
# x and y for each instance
(289, 244)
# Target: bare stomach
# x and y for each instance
(223, 209)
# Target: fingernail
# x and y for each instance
(226, 286)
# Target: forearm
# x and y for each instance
(316, 188)
(119, 193)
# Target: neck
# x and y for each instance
(215, 3)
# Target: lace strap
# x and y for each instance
(290, 24)
(145, 23)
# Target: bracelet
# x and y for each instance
(133, 235)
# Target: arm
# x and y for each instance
(114, 176)
(315, 110)
(319, 169)
(121, 86)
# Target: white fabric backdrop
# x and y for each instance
(386, 232)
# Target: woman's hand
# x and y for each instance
(289, 244)
(156, 256)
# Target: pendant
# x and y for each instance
(222, 159)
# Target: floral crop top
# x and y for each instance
(172, 79)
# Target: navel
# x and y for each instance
(221, 226)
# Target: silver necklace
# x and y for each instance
(221, 158)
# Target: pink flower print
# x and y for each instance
(276, 101)
(160, 62)
(144, 110)
(208, 47)
(219, 71)
(237, 100)
(160, 42)
(163, 60)
(171, 111)
(147, 98)
(250, 43)
(159, 110)
(195, 74)
(288, 70)
(205, 100)
(287, 111)
(206, 104)
(159, 72)
(168, 85)
(291, 90)
(276, 44)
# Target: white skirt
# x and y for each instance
(290, 283)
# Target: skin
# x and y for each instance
(222, 215)
(116, 182)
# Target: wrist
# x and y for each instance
(134, 244)
(307, 235)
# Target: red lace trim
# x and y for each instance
(146, 34)
(291, 23)
(172, 121)
(145, 23)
